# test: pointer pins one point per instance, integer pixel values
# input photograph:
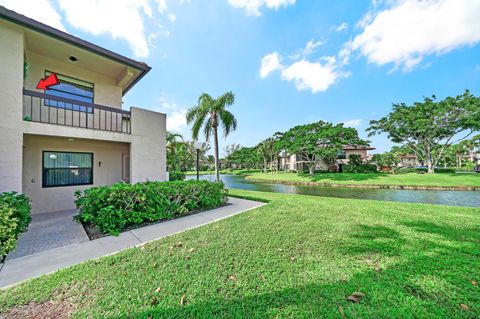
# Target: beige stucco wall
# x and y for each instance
(61, 198)
(76, 132)
(11, 84)
(106, 92)
(148, 148)
(22, 142)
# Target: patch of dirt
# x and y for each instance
(44, 310)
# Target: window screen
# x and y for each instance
(67, 169)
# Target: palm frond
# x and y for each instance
(207, 129)
(226, 99)
(228, 122)
(205, 99)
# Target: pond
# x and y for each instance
(452, 198)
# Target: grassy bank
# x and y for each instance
(232, 172)
(298, 256)
(410, 179)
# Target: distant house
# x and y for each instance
(407, 160)
(290, 162)
(411, 160)
(74, 134)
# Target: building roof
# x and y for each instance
(37, 26)
(358, 147)
(408, 156)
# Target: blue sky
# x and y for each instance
(288, 62)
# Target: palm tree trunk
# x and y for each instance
(217, 161)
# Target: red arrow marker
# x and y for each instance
(44, 84)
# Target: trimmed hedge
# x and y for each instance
(14, 219)
(176, 176)
(113, 208)
(438, 170)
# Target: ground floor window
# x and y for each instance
(67, 168)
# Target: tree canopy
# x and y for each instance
(430, 126)
(317, 142)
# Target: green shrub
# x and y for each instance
(405, 170)
(112, 208)
(355, 160)
(14, 219)
(363, 168)
(437, 170)
(176, 176)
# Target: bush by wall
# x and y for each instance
(14, 219)
(176, 176)
(112, 208)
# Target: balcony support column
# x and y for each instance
(11, 137)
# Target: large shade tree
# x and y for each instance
(429, 127)
(318, 142)
(245, 157)
(211, 114)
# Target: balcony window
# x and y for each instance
(341, 154)
(67, 169)
(73, 89)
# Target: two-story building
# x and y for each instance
(74, 134)
(290, 162)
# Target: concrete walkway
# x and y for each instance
(48, 231)
(18, 269)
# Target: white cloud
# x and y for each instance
(408, 30)
(309, 48)
(40, 10)
(252, 7)
(353, 123)
(342, 27)
(313, 76)
(270, 63)
(121, 19)
(176, 120)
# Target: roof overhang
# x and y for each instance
(130, 75)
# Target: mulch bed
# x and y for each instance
(94, 233)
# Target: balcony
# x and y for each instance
(49, 109)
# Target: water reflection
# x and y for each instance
(452, 198)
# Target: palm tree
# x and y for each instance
(267, 151)
(174, 146)
(211, 113)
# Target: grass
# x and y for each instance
(297, 257)
(410, 179)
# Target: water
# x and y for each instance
(452, 198)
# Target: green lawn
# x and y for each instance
(410, 179)
(297, 257)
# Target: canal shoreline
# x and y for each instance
(372, 186)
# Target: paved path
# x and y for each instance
(48, 231)
(18, 269)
